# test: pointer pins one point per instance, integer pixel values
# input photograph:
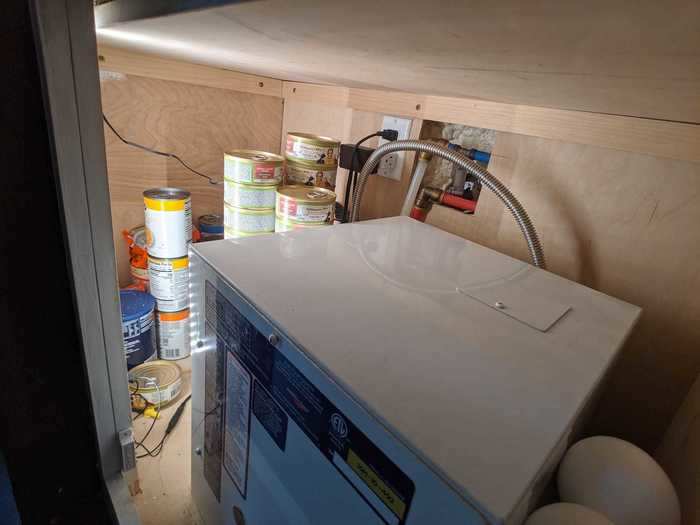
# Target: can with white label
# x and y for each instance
(310, 174)
(173, 334)
(253, 167)
(312, 148)
(305, 204)
(168, 215)
(249, 221)
(252, 196)
(169, 279)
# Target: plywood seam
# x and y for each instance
(153, 66)
(662, 138)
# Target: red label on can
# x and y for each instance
(264, 172)
(288, 207)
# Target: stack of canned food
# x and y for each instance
(168, 214)
(311, 160)
(251, 179)
(307, 201)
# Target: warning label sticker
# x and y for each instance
(237, 428)
(270, 415)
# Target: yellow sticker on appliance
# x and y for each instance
(375, 483)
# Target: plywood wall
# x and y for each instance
(197, 123)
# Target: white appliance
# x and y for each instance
(385, 372)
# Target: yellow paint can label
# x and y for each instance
(173, 329)
(168, 222)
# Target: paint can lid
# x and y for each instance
(135, 303)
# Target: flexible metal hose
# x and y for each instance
(516, 209)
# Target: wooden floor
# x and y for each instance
(165, 479)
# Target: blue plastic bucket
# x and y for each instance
(138, 326)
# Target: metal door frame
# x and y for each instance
(64, 33)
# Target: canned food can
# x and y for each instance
(310, 174)
(159, 382)
(168, 214)
(305, 204)
(173, 334)
(253, 167)
(211, 227)
(138, 333)
(169, 280)
(282, 226)
(249, 195)
(139, 276)
(230, 233)
(249, 221)
(312, 148)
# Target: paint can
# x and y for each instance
(249, 195)
(138, 331)
(230, 233)
(305, 204)
(173, 330)
(211, 227)
(169, 283)
(253, 167)
(310, 174)
(312, 148)
(248, 220)
(168, 213)
(282, 226)
(159, 382)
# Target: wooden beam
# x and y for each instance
(674, 140)
(152, 66)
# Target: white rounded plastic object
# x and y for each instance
(619, 480)
(567, 514)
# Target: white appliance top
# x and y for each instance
(402, 314)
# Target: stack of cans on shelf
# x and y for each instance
(168, 217)
(307, 200)
(251, 179)
(311, 160)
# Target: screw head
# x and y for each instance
(273, 339)
(200, 344)
(500, 305)
(198, 451)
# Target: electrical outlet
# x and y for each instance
(391, 166)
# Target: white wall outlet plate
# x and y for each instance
(391, 166)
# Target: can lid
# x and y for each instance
(135, 303)
(252, 187)
(163, 373)
(254, 156)
(313, 139)
(211, 223)
(139, 236)
(249, 211)
(166, 194)
(307, 194)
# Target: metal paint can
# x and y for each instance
(211, 227)
(168, 213)
(170, 283)
(305, 204)
(249, 221)
(138, 333)
(253, 167)
(310, 174)
(230, 233)
(312, 148)
(159, 382)
(249, 195)
(173, 330)
(282, 226)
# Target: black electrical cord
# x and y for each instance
(388, 134)
(171, 426)
(156, 152)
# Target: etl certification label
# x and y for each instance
(237, 429)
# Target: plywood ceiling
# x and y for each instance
(627, 57)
